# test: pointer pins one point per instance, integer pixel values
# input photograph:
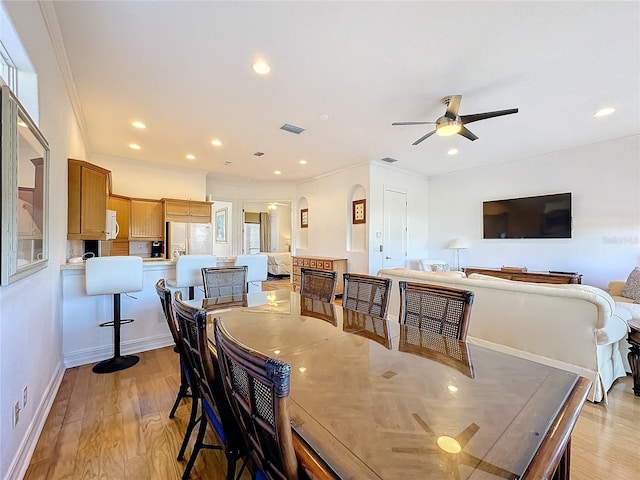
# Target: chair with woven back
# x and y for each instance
(318, 284)
(215, 408)
(225, 282)
(187, 388)
(436, 309)
(257, 387)
(366, 294)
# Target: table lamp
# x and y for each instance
(457, 244)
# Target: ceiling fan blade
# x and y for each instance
(412, 123)
(453, 106)
(423, 138)
(482, 116)
(466, 133)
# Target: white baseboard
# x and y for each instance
(91, 355)
(20, 463)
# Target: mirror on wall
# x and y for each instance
(25, 174)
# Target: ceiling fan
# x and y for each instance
(451, 123)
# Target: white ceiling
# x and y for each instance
(183, 68)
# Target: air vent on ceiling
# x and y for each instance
(292, 129)
(259, 154)
(389, 160)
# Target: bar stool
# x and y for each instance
(257, 270)
(189, 271)
(114, 276)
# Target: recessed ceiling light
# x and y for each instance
(216, 142)
(603, 112)
(452, 151)
(302, 162)
(138, 124)
(277, 172)
(261, 67)
(226, 163)
(324, 116)
(190, 156)
(134, 146)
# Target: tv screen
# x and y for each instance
(544, 216)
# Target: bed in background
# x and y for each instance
(278, 263)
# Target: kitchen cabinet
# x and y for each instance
(122, 206)
(87, 200)
(146, 221)
(188, 211)
(320, 263)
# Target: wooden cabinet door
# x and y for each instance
(200, 210)
(94, 203)
(122, 206)
(146, 220)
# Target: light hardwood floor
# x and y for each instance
(116, 426)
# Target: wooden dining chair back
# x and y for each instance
(318, 284)
(185, 387)
(436, 309)
(257, 387)
(215, 408)
(366, 294)
(225, 281)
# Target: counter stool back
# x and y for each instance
(188, 268)
(114, 276)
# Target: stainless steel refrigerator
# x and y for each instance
(189, 239)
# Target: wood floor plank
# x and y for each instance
(116, 426)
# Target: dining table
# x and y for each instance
(373, 399)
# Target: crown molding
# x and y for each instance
(53, 27)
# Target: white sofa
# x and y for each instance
(615, 290)
(572, 327)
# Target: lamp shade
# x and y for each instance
(457, 244)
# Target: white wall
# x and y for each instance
(133, 178)
(30, 313)
(605, 181)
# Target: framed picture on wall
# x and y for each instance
(359, 211)
(304, 218)
(221, 225)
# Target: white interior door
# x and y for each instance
(395, 229)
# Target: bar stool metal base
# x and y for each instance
(116, 364)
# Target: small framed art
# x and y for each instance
(304, 218)
(359, 211)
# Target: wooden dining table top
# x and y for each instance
(375, 399)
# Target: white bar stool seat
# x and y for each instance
(113, 276)
(189, 271)
(257, 270)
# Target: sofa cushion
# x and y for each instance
(632, 287)
(491, 278)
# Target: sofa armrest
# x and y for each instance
(615, 287)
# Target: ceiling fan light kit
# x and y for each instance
(451, 123)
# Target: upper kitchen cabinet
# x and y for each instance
(186, 211)
(146, 221)
(122, 207)
(87, 200)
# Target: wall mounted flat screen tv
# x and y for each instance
(544, 216)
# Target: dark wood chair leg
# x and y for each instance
(191, 426)
(197, 446)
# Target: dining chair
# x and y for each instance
(215, 409)
(225, 281)
(436, 309)
(312, 307)
(318, 284)
(257, 387)
(185, 387)
(366, 294)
